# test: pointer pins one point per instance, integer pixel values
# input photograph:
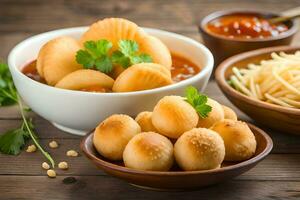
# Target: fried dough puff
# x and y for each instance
(142, 76)
(56, 59)
(172, 116)
(199, 149)
(229, 113)
(149, 151)
(240, 143)
(215, 115)
(144, 119)
(115, 29)
(85, 78)
(113, 134)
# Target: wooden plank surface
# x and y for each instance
(21, 177)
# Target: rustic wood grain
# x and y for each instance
(21, 177)
(81, 166)
(105, 187)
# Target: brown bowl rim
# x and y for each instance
(227, 89)
(112, 166)
(291, 31)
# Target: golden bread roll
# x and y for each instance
(162, 54)
(142, 76)
(144, 119)
(229, 113)
(149, 151)
(199, 149)
(240, 143)
(216, 114)
(116, 29)
(85, 79)
(172, 116)
(112, 135)
(57, 58)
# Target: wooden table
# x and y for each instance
(21, 177)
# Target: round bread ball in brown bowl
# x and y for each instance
(284, 119)
(176, 179)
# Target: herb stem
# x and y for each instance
(9, 95)
(46, 154)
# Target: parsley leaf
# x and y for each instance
(119, 58)
(12, 141)
(96, 56)
(128, 54)
(198, 101)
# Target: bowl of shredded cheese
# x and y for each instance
(265, 84)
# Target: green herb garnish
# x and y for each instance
(198, 101)
(12, 141)
(96, 55)
(8, 94)
(128, 55)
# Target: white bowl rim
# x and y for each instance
(204, 71)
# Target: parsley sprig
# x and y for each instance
(12, 141)
(96, 55)
(128, 55)
(198, 101)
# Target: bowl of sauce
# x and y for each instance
(227, 33)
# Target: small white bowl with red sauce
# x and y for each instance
(78, 112)
(230, 32)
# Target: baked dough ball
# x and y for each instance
(85, 79)
(144, 119)
(216, 114)
(116, 29)
(113, 134)
(199, 149)
(149, 151)
(142, 76)
(57, 58)
(240, 143)
(229, 113)
(172, 116)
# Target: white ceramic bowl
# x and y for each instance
(78, 112)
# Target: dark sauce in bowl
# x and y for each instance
(245, 26)
(182, 69)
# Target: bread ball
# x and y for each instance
(149, 151)
(216, 114)
(172, 116)
(144, 119)
(240, 143)
(199, 149)
(113, 134)
(229, 113)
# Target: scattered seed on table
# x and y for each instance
(53, 144)
(63, 165)
(51, 173)
(31, 148)
(72, 153)
(45, 165)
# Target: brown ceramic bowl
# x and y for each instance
(223, 47)
(177, 179)
(286, 120)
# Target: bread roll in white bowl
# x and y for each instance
(78, 112)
